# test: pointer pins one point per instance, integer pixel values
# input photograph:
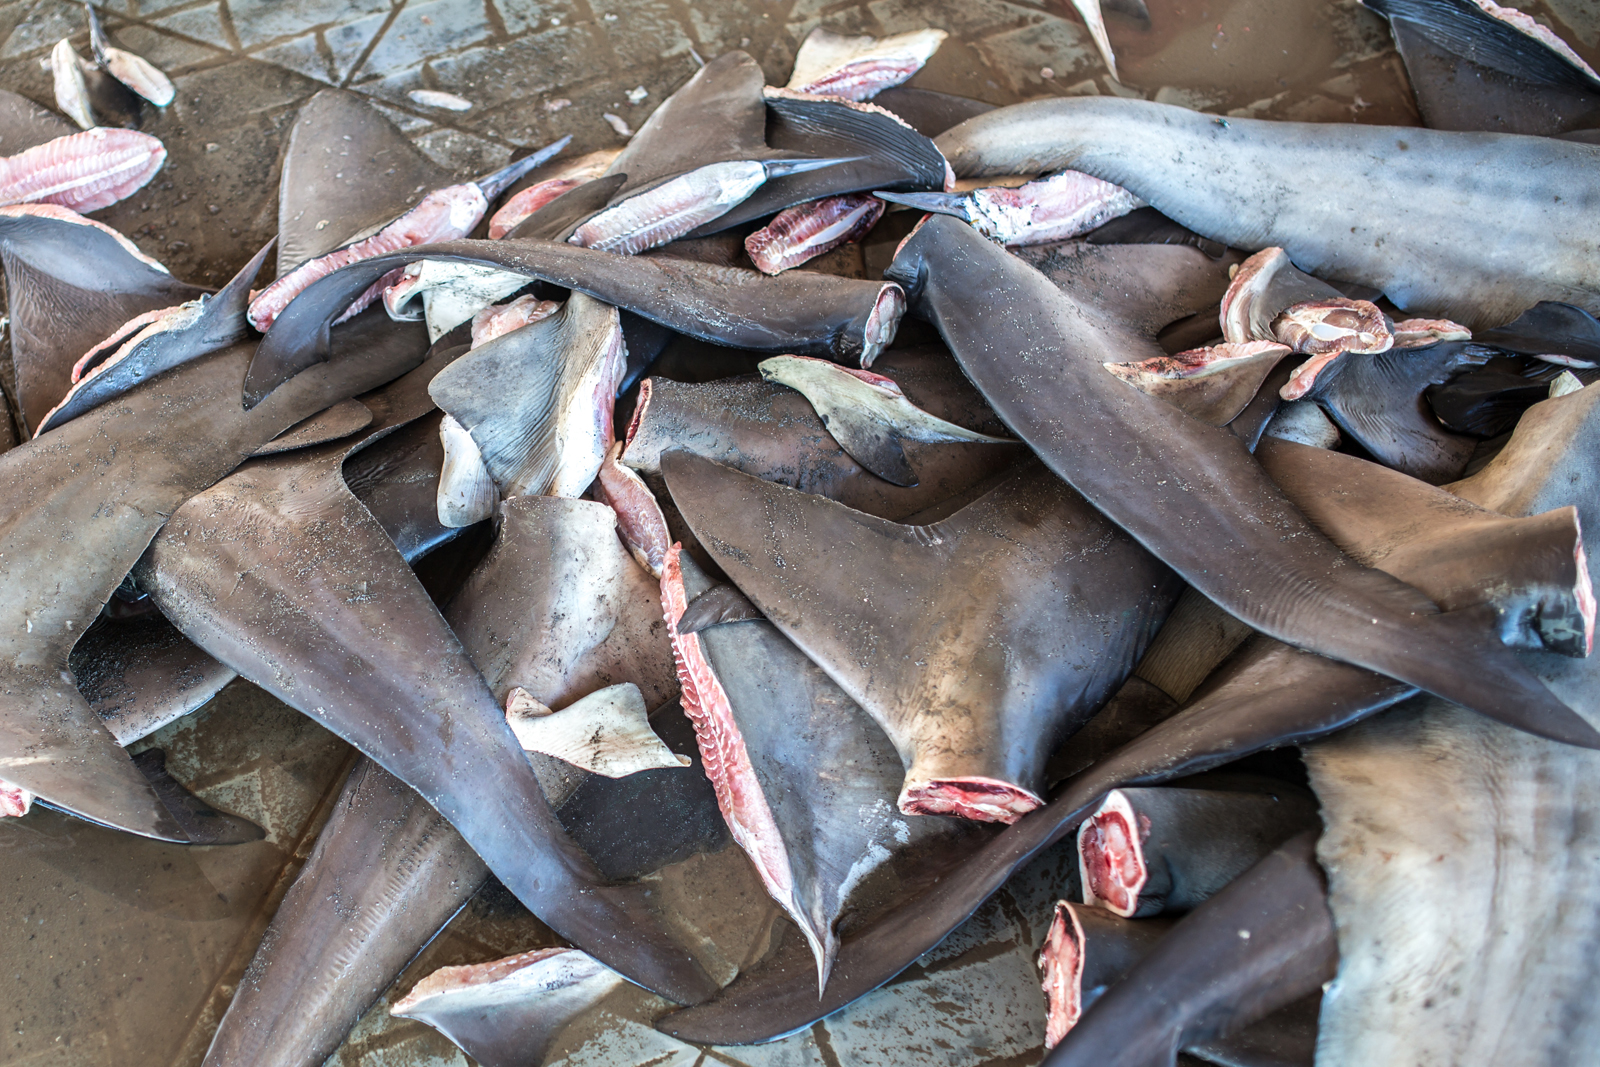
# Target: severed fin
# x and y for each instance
(867, 414)
(1378, 401)
(72, 91)
(1212, 384)
(1262, 288)
(1549, 329)
(70, 283)
(1259, 945)
(203, 824)
(140, 674)
(341, 420)
(346, 172)
(509, 1012)
(135, 72)
(716, 116)
(859, 68)
(982, 579)
(450, 293)
(187, 333)
(640, 522)
(717, 606)
(1095, 20)
(538, 401)
(607, 732)
(466, 492)
(1085, 951)
(556, 220)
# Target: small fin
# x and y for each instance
(510, 1011)
(204, 824)
(466, 493)
(958, 205)
(497, 182)
(721, 604)
(867, 414)
(607, 732)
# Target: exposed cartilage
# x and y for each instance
(1416, 333)
(1329, 327)
(798, 234)
(679, 205)
(1085, 951)
(640, 523)
(606, 732)
(970, 797)
(858, 68)
(1269, 299)
(1068, 204)
(466, 493)
(1110, 860)
(443, 215)
(82, 171)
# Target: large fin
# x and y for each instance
(346, 172)
(71, 283)
(1378, 400)
(538, 400)
(796, 312)
(978, 643)
(1175, 473)
(192, 331)
(141, 674)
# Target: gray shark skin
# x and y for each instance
(24, 124)
(404, 692)
(1270, 695)
(1261, 944)
(111, 477)
(774, 433)
(339, 146)
(1033, 609)
(1472, 71)
(1500, 974)
(398, 871)
(1036, 354)
(1474, 227)
(797, 312)
(69, 285)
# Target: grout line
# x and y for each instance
(366, 53)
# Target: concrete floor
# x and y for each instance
(120, 973)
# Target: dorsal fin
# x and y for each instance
(70, 282)
(346, 171)
(977, 643)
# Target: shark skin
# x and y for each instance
(112, 477)
(1474, 227)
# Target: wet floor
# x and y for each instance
(115, 950)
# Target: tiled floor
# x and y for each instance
(534, 71)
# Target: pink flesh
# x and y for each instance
(1305, 376)
(639, 519)
(14, 800)
(1361, 327)
(1061, 963)
(501, 319)
(448, 978)
(89, 362)
(1565, 361)
(863, 79)
(1065, 205)
(83, 171)
(525, 203)
(1244, 278)
(882, 323)
(1112, 862)
(159, 324)
(61, 214)
(1526, 24)
(444, 215)
(722, 750)
(1198, 362)
(373, 292)
(978, 799)
(639, 406)
(1413, 333)
(1584, 594)
(806, 231)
